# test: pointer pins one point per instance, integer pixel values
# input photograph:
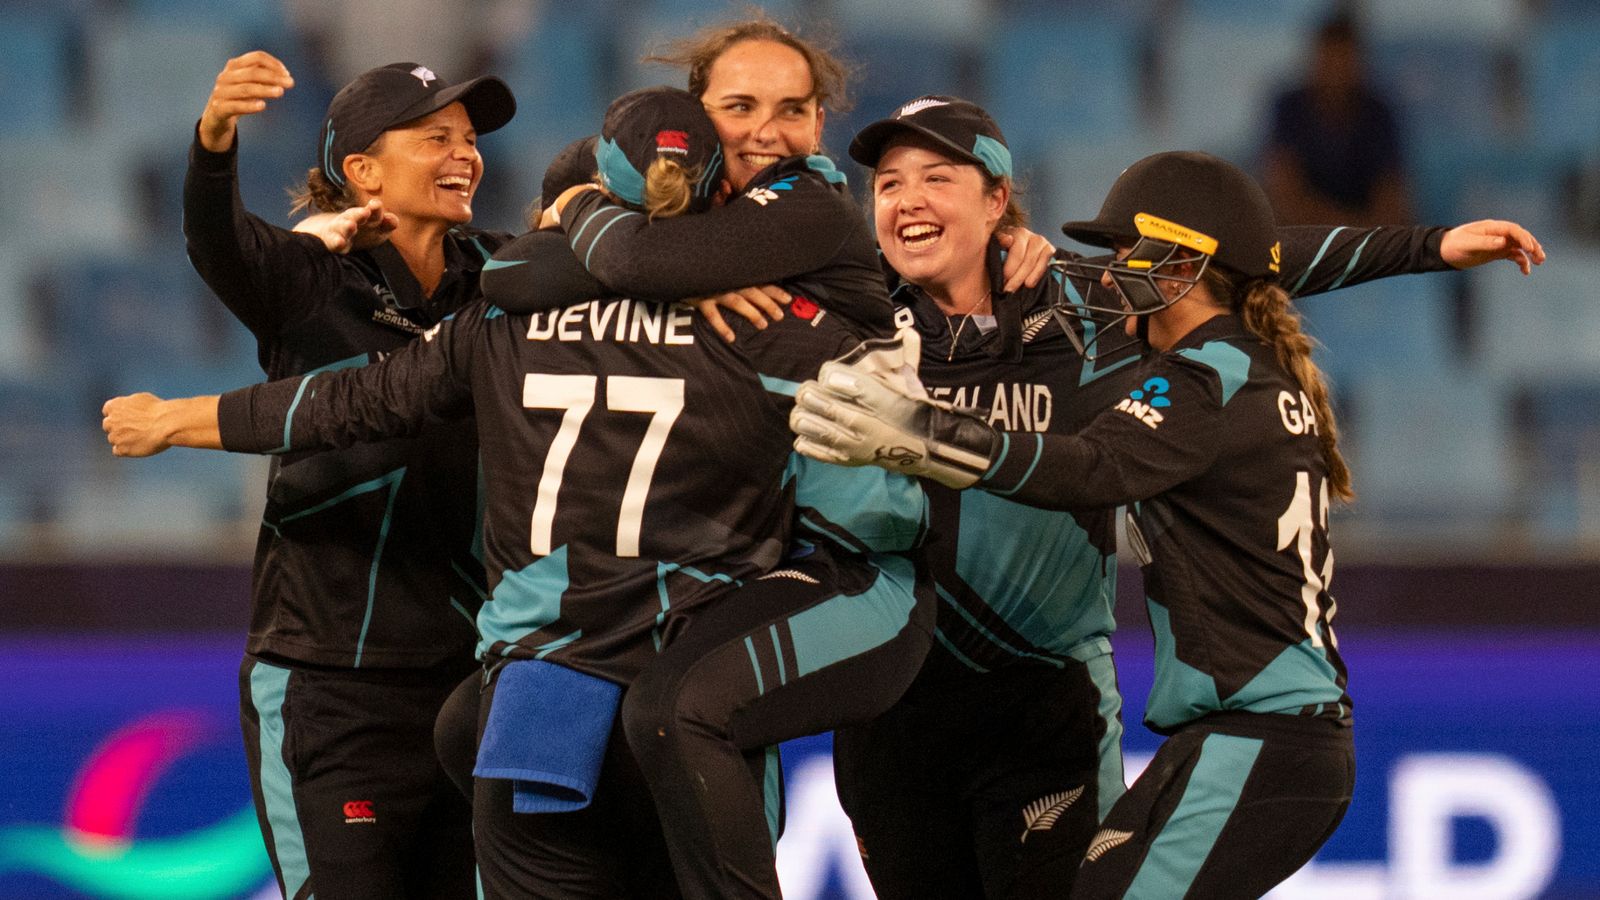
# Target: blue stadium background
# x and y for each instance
(1470, 402)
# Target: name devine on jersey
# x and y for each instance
(623, 321)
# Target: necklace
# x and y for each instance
(955, 333)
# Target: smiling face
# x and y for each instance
(424, 170)
(761, 97)
(934, 217)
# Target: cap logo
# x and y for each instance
(1277, 256)
(1160, 229)
(916, 106)
(424, 75)
(672, 142)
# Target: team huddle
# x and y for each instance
(567, 531)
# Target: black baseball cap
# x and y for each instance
(573, 165)
(1193, 199)
(960, 125)
(644, 125)
(382, 98)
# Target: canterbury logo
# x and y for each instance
(790, 573)
(1032, 325)
(359, 811)
(1107, 840)
(1041, 814)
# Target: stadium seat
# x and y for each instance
(1563, 62)
(1490, 21)
(1544, 327)
(1245, 63)
(1399, 327)
(1431, 447)
(150, 79)
(1062, 61)
(36, 74)
(1561, 420)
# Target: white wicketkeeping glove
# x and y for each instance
(851, 416)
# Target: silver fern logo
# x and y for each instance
(1032, 325)
(1041, 814)
(1107, 840)
(789, 573)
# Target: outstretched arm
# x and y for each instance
(144, 424)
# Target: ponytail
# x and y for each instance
(667, 188)
(318, 194)
(1265, 309)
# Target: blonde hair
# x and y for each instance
(318, 193)
(1267, 313)
(667, 188)
(699, 52)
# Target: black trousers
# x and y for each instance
(818, 644)
(1230, 806)
(611, 848)
(351, 799)
(983, 784)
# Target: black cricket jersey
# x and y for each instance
(1215, 446)
(366, 556)
(794, 224)
(1021, 583)
(636, 465)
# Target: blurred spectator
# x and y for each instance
(1333, 152)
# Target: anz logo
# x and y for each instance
(1144, 403)
(768, 193)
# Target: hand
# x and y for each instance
(243, 88)
(132, 425)
(850, 418)
(1487, 240)
(1028, 256)
(757, 304)
(356, 228)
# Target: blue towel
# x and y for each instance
(547, 732)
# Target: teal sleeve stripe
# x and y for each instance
(1038, 453)
(772, 792)
(1354, 258)
(1321, 252)
(1186, 840)
(362, 488)
(944, 641)
(602, 233)
(578, 235)
(464, 614)
(377, 557)
(1111, 779)
(999, 458)
(755, 665)
(268, 684)
(493, 264)
(779, 385)
(470, 583)
(991, 636)
(288, 419)
(557, 644)
(777, 653)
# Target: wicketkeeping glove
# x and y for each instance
(850, 417)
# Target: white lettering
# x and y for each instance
(1043, 406)
(1299, 416)
(818, 839)
(648, 317)
(567, 330)
(597, 324)
(1000, 412)
(536, 333)
(1429, 791)
(622, 317)
(680, 326)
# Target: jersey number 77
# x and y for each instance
(661, 397)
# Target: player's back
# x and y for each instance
(634, 464)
